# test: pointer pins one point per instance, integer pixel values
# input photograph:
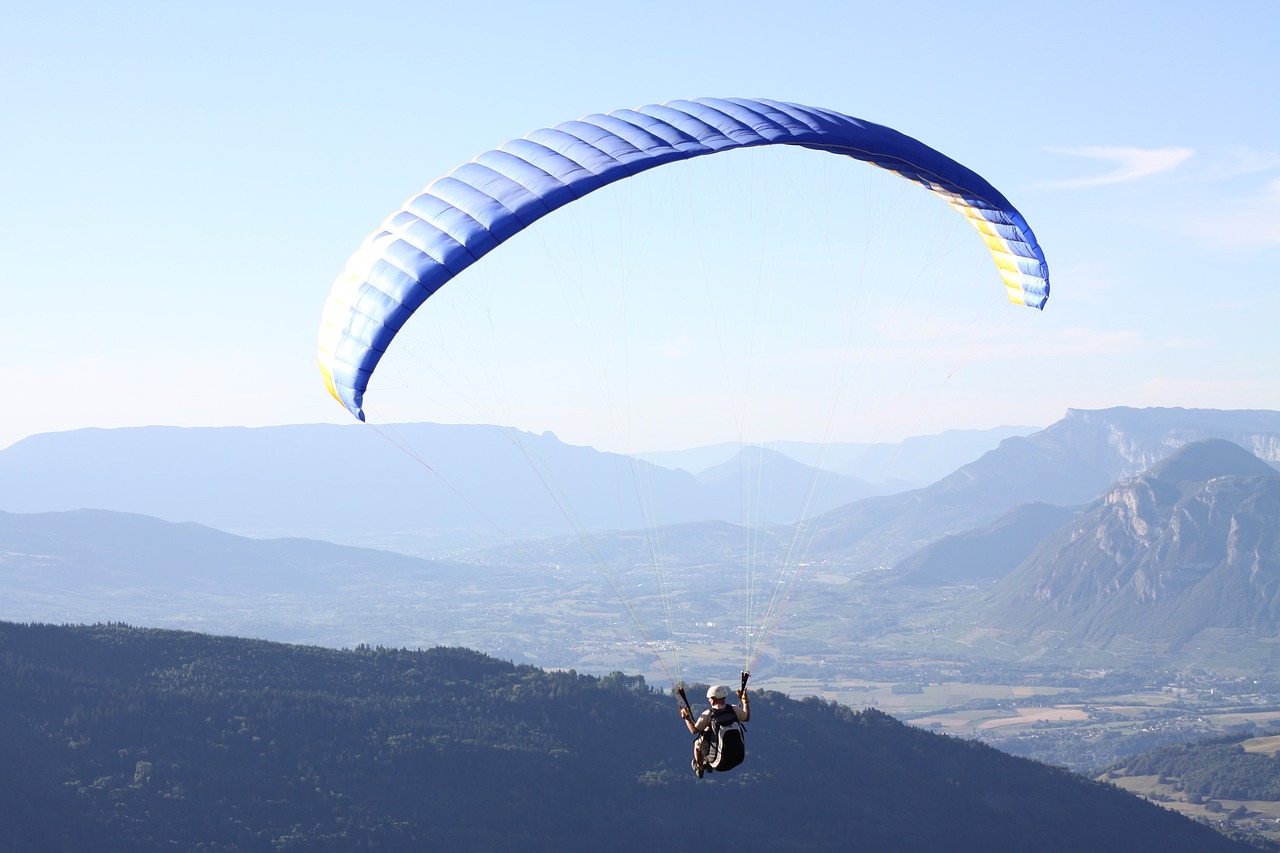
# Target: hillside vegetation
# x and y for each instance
(1218, 768)
(1228, 781)
(115, 738)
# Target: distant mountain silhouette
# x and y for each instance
(91, 565)
(101, 547)
(474, 485)
(891, 466)
(353, 484)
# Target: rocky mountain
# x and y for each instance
(1067, 464)
(1189, 547)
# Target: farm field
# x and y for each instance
(1060, 718)
(1257, 816)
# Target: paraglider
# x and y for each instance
(460, 218)
(720, 744)
(463, 216)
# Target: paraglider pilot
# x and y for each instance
(719, 744)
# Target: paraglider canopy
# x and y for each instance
(463, 216)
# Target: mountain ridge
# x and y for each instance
(352, 485)
(362, 485)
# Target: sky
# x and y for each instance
(182, 182)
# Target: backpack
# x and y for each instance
(729, 748)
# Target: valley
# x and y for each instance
(1075, 595)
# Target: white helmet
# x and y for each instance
(718, 692)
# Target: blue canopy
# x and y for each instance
(461, 217)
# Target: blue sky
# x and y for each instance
(182, 182)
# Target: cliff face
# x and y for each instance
(1191, 545)
(1087, 451)
(1140, 438)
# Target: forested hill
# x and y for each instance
(114, 738)
(1219, 768)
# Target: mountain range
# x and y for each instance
(913, 462)
(422, 486)
(1182, 551)
(481, 485)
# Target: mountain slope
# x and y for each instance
(90, 565)
(1069, 463)
(128, 739)
(114, 547)
(987, 553)
(1191, 546)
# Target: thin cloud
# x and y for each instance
(1236, 160)
(1251, 221)
(1131, 164)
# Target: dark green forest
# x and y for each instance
(1218, 768)
(123, 739)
